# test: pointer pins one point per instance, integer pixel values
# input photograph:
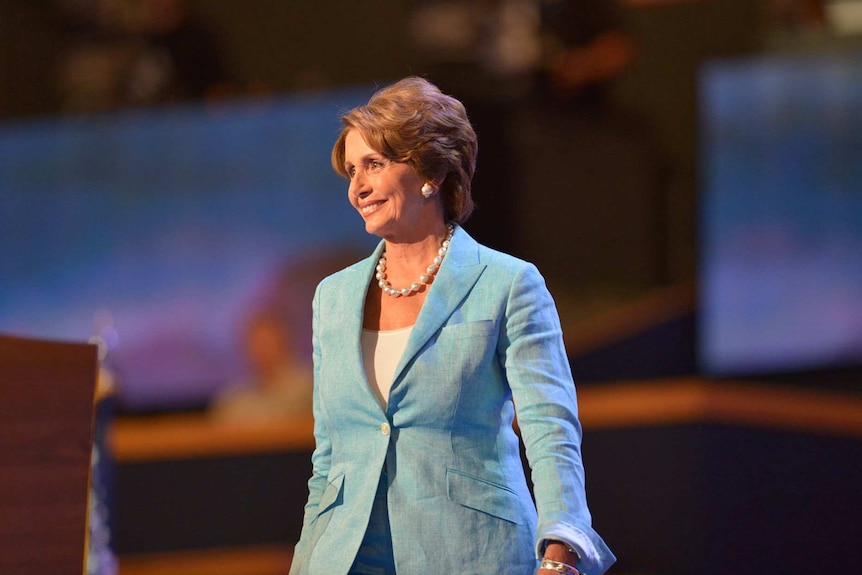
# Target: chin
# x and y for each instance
(375, 227)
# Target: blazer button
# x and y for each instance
(384, 428)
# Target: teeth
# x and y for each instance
(370, 207)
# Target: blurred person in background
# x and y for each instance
(583, 47)
(279, 382)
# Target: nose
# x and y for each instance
(358, 187)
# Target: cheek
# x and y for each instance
(408, 191)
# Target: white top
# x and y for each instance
(381, 351)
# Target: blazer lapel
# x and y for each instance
(353, 289)
(458, 273)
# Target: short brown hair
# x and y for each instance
(413, 122)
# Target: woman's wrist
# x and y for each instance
(558, 557)
(557, 567)
(559, 551)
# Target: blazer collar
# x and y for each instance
(458, 273)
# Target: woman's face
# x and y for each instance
(387, 194)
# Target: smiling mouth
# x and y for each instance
(370, 208)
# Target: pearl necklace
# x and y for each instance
(424, 279)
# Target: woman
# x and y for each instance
(422, 354)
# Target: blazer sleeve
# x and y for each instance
(538, 372)
(320, 458)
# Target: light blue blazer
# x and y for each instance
(487, 343)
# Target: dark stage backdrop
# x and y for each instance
(160, 232)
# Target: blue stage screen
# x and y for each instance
(781, 214)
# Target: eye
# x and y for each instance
(351, 171)
(375, 166)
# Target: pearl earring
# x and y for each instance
(427, 190)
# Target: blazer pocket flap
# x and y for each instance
(482, 495)
(332, 494)
(465, 330)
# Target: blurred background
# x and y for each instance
(687, 175)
